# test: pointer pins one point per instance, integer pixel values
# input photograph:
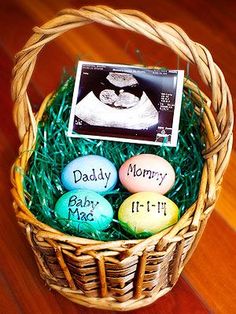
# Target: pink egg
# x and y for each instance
(147, 172)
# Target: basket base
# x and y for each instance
(109, 303)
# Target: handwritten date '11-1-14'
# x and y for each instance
(148, 206)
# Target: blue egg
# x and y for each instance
(83, 210)
(92, 172)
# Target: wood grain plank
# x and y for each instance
(211, 270)
(7, 297)
(207, 27)
(82, 43)
(225, 205)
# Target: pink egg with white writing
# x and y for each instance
(147, 172)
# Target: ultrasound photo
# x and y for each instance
(126, 103)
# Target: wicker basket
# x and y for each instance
(129, 274)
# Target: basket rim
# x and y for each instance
(24, 214)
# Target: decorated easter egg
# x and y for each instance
(91, 172)
(147, 172)
(83, 210)
(148, 212)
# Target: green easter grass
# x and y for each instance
(54, 150)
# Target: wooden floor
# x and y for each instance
(208, 283)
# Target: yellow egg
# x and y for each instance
(147, 212)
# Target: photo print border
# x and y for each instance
(125, 103)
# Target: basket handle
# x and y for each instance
(166, 34)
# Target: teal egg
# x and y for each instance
(91, 172)
(83, 210)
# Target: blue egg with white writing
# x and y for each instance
(83, 211)
(91, 172)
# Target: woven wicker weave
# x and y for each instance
(121, 275)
